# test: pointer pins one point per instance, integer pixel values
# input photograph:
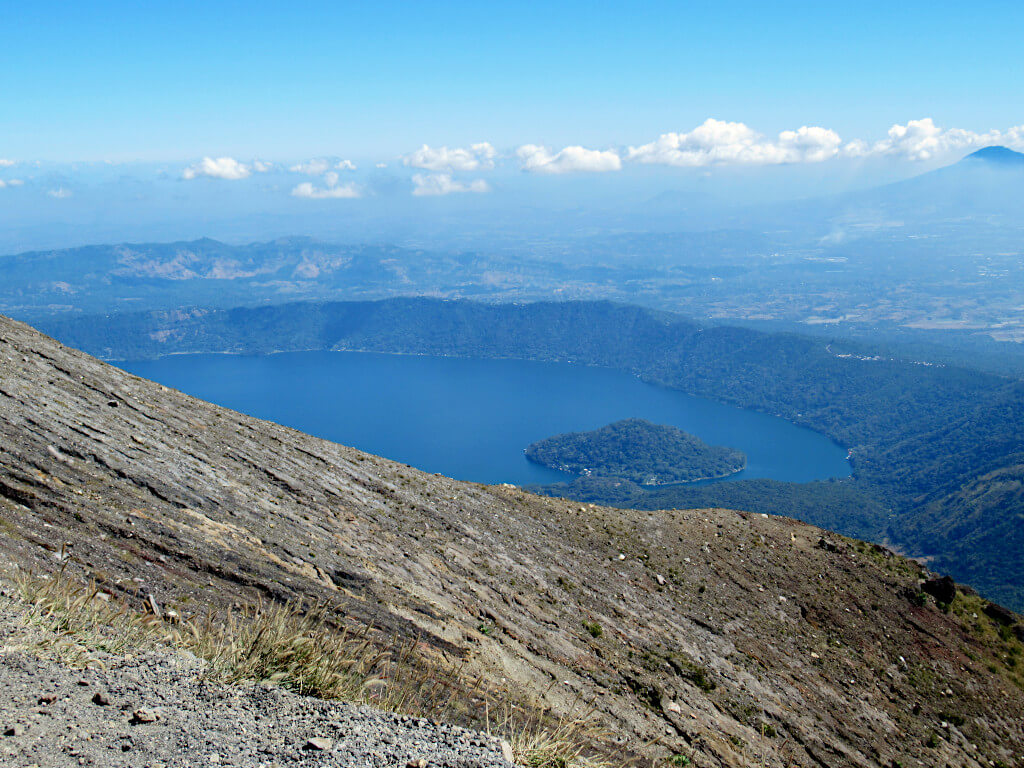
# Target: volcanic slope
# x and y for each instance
(729, 639)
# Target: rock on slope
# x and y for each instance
(733, 639)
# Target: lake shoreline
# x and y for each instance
(436, 411)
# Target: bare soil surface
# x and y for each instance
(722, 637)
(157, 709)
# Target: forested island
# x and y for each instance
(639, 451)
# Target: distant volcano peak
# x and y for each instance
(997, 155)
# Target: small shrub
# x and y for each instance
(690, 670)
(593, 628)
(920, 599)
(953, 718)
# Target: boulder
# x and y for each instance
(999, 615)
(942, 588)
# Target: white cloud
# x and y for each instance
(1014, 137)
(221, 168)
(809, 144)
(333, 190)
(720, 142)
(4, 163)
(478, 157)
(924, 140)
(11, 183)
(261, 166)
(921, 140)
(856, 148)
(443, 184)
(382, 165)
(321, 165)
(314, 167)
(538, 159)
(60, 193)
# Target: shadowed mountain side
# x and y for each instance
(985, 183)
(999, 156)
(736, 639)
(980, 193)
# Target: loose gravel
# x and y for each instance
(156, 710)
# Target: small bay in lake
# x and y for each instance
(471, 419)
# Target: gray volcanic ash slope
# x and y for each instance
(731, 638)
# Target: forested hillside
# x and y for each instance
(920, 434)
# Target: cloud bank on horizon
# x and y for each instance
(716, 142)
(443, 184)
(331, 190)
(318, 166)
(712, 143)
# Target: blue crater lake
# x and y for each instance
(471, 419)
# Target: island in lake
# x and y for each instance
(639, 451)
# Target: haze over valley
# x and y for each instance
(481, 386)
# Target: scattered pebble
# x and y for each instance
(318, 743)
(143, 716)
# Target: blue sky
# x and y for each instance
(159, 120)
(173, 81)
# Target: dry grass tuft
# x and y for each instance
(277, 643)
(301, 650)
(84, 620)
(540, 740)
